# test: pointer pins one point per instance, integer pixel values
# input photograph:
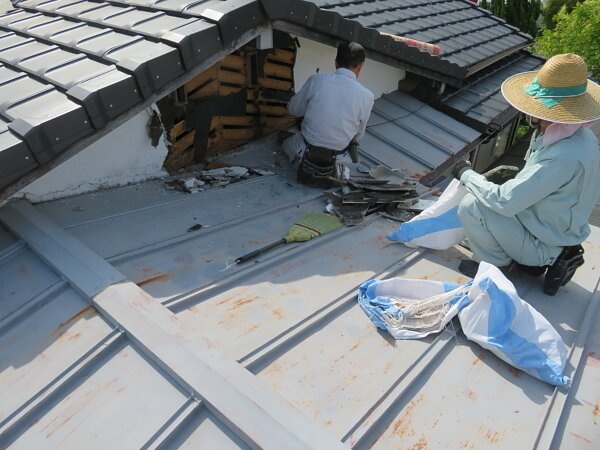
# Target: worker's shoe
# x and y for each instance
(469, 268)
(563, 269)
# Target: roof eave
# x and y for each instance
(497, 57)
(453, 77)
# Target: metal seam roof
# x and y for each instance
(265, 355)
(405, 133)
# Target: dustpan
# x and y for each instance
(308, 227)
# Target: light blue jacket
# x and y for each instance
(555, 193)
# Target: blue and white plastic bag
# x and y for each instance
(500, 321)
(411, 309)
(437, 227)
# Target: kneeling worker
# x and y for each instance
(539, 218)
(335, 109)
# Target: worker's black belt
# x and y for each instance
(317, 167)
(316, 148)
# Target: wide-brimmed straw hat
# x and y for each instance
(558, 92)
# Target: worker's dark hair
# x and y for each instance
(350, 55)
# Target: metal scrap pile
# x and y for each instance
(360, 195)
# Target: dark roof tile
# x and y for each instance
(41, 115)
(429, 21)
(16, 159)
(480, 103)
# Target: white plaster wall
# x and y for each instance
(124, 156)
(312, 57)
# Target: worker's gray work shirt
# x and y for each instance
(335, 107)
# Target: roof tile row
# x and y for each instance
(71, 66)
(457, 26)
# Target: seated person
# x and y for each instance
(540, 217)
(335, 109)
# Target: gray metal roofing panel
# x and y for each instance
(291, 320)
(18, 289)
(140, 388)
(405, 133)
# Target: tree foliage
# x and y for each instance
(522, 14)
(577, 32)
(551, 9)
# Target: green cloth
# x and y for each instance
(555, 193)
(550, 96)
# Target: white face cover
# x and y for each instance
(533, 122)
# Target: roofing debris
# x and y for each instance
(359, 195)
(194, 182)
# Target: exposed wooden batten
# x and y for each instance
(263, 75)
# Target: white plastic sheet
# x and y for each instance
(411, 309)
(500, 321)
(490, 311)
(438, 227)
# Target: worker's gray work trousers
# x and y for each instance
(499, 240)
(295, 146)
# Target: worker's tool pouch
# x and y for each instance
(561, 272)
(317, 166)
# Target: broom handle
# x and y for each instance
(259, 251)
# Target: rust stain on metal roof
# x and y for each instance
(477, 359)
(85, 312)
(580, 437)
(278, 314)
(403, 426)
(592, 359)
(241, 302)
(493, 437)
(420, 445)
(470, 394)
(515, 372)
(154, 279)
